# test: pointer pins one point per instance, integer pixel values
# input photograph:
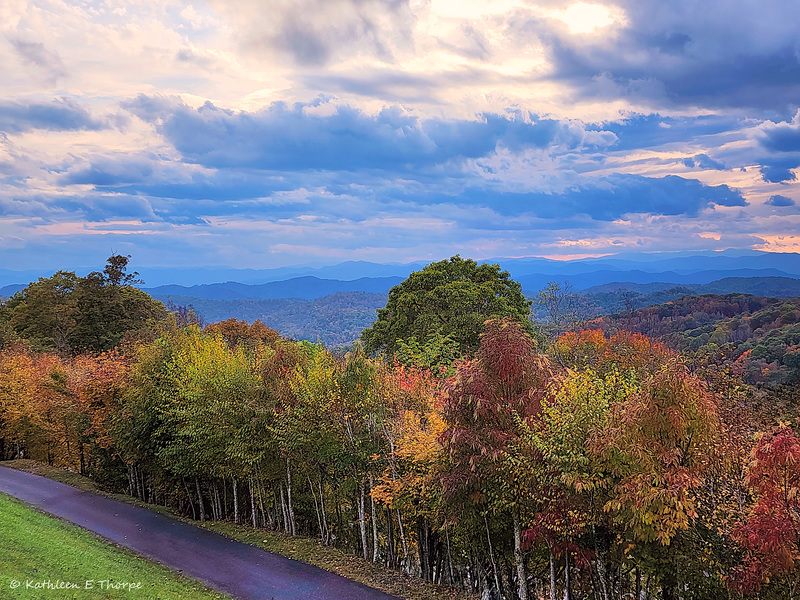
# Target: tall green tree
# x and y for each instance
(45, 312)
(450, 298)
(69, 314)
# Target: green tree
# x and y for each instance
(450, 298)
(68, 314)
(45, 312)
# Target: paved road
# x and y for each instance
(243, 571)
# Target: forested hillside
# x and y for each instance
(759, 338)
(338, 319)
(599, 463)
(333, 320)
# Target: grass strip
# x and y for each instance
(44, 557)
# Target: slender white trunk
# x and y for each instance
(406, 566)
(375, 547)
(289, 495)
(285, 512)
(491, 555)
(327, 537)
(519, 558)
(449, 557)
(235, 501)
(316, 508)
(200, 501)
(252, 503)
(362, 521)
(552, 573)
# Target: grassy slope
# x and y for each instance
(36, 547)
(304, 549)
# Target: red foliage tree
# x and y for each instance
(771, 535)
(483, 406)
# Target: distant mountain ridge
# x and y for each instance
(719, 264)
(772, 287)
(334, 320)
(339, 318)
(310, 287)
(306, 288)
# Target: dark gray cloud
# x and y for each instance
(608, 199)
(782, 142)
(703, 161)
(781, 137)
(57, 115)
(653, 130)
(333, 196)
(778, 169)
(109, 172)
(679, 55)
(779, 201)
(318, 136)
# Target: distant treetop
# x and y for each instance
(452, 298)
(69, 314)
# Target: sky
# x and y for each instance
(258, 134)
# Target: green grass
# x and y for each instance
(37, 548)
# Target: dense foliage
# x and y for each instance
(447, 298)
(757, 337)
(602, 465)
(334, 320)
(70, 314)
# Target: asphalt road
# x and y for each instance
(240, 570)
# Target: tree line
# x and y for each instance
(591, 466)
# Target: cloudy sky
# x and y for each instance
(256, 133)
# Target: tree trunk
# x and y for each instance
(189, 495)
(423, 546)
(638, 595)
(449, 557)
(215, 504)
(287, 528)
(327, 537)
(362, 521)
(491, 556)
(552, 572)
(375, 546)
(600, 566)
(390, 541)
(519, 558)
(235, 501)
(289, 496)
(252, 503)
(316, 508)
(567, 591)
(406, 566)
(200, 500)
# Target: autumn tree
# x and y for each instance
(484, 403)
(771, 533)
(239, 333)
(655, 452)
